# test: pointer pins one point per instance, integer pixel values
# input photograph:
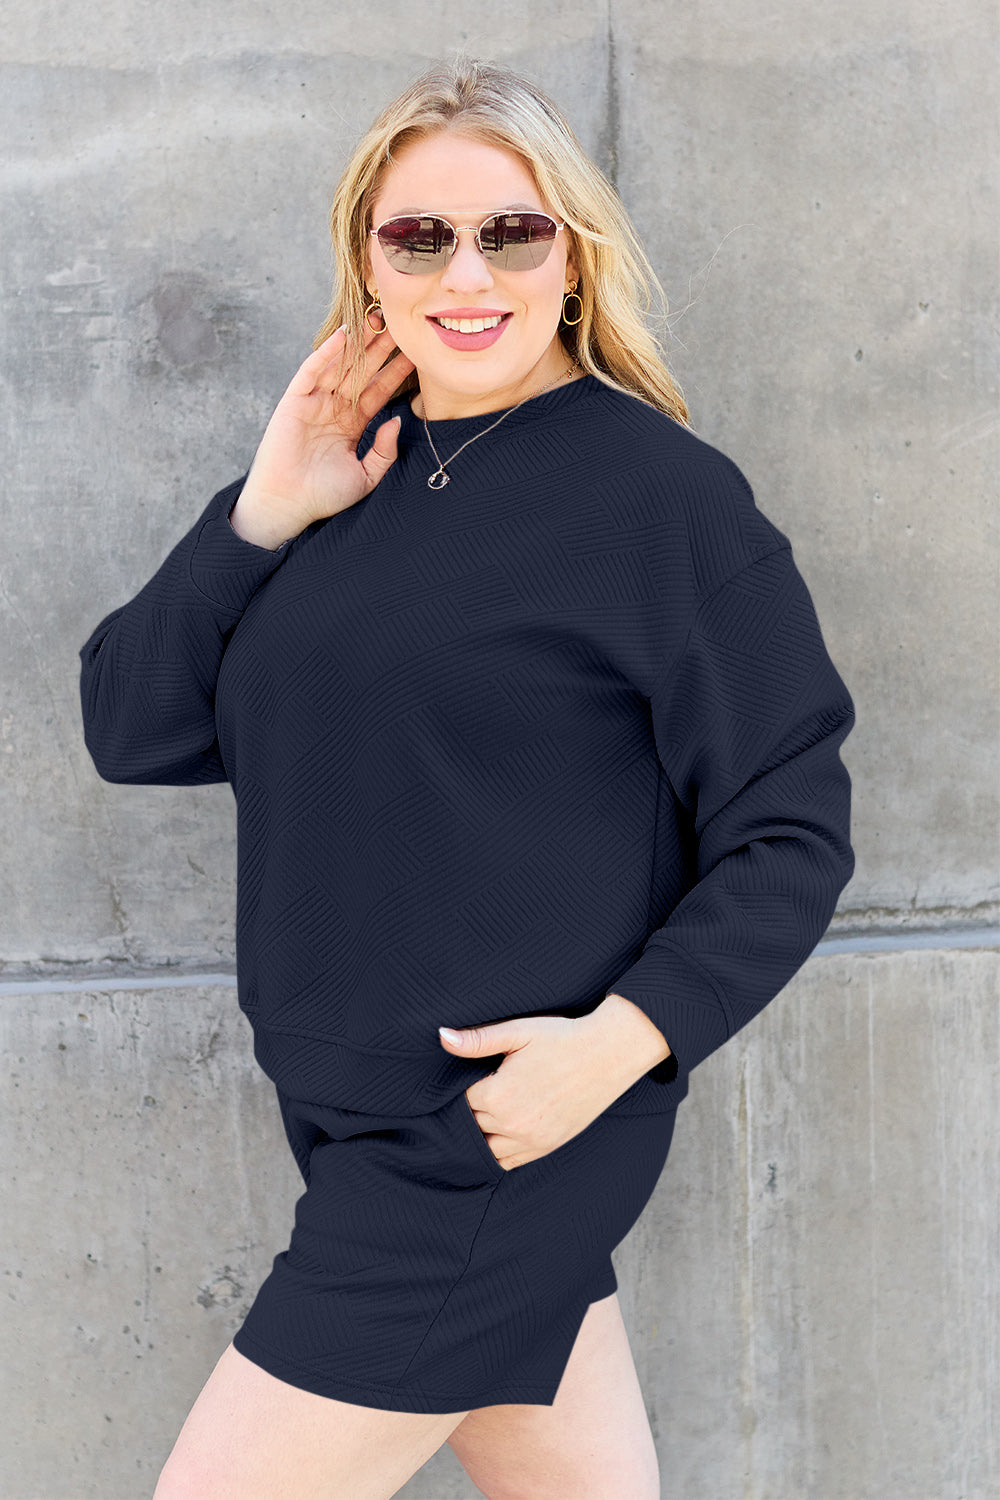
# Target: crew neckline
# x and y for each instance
(542, 405)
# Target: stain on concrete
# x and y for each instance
(206, 1051)
(185, 332)
(223, 1290)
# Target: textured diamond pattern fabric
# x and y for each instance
(422, 1276)
(565, 727)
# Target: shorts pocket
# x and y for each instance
(557, 1154)
(481, 1143)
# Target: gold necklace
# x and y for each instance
(439, 478)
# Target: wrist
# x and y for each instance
(252, 521)
(630, 1042)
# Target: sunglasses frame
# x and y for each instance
(457, 230)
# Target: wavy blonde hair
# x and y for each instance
(500, 107)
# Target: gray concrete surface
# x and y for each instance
(816, 189)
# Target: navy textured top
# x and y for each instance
(565, 727)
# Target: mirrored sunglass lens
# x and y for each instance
(416, 245)
(517, 242)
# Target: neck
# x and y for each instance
(446, 406)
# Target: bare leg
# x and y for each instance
(593, 1443)
(250, 1436)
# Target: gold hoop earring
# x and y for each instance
(374, 306)
(572, 294)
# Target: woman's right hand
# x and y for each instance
(306, 466)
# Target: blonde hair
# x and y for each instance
(500, 107)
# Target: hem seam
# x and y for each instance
(364, 1385)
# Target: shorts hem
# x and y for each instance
(384, 1397)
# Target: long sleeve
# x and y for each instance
(148, 675)
(748, 722)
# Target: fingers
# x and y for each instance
(382, 454)
(306, 377)
(324, 374)
(381, 386)
(376, 348)
(324, 369)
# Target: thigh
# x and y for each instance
(593, 1442)
(250, 1436)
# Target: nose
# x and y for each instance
(467, 270)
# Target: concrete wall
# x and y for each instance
(809, 1291)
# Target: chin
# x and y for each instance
(472, 379)
(487, 373)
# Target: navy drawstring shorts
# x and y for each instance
(422, 1276)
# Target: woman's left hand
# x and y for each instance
(559, 1074)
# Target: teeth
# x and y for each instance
(469, 325)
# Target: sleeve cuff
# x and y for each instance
(682, 1002)
(224, 566)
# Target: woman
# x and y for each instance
(534, 738)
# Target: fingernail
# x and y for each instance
(447, 1035)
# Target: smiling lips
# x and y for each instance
(467, 328)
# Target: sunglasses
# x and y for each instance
(420, 244)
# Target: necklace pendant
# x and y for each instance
(438, 480)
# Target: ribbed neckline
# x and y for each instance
(457, 429)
